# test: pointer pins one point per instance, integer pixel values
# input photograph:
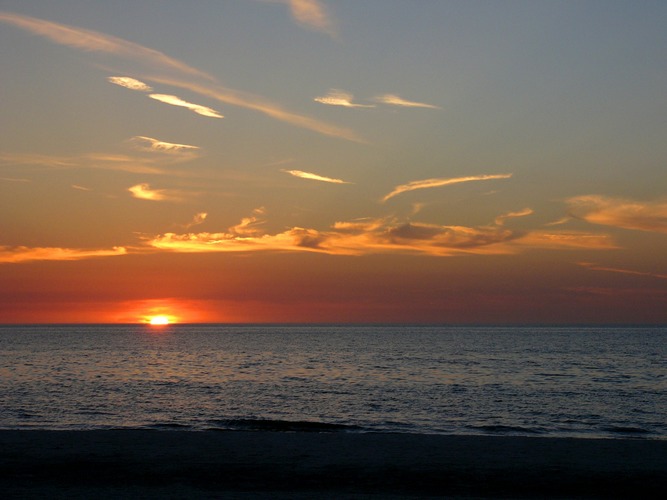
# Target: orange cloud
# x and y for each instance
(312, 14)
(25, 254)
(431, 183)
(314, 177)
(372, 236)
(619, 212)
(249, 226)
(567, 239)
(199, 218)
(500, 220)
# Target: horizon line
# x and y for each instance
(346, 324)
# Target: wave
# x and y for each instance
(504, 429)
(625, 430)
(169, 425)
(252, 424)
(93, 413)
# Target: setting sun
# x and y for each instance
(159, 320)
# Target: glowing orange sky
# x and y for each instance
(257, 161)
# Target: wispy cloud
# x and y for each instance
(93, 41)
(432, 183)
(168, 153)
(394, 100)
(558, 222)
(619, 212)
(249, 226)
(337, 97)
(312, 14)
(177, 101)
(314, 177)
(37, 160)
(257, 103)
(80, 188)
(500, 220)
(13, 255)
(198, 219)
(122, 163)
(595, 267)
(103, 161)
(130, 83)
(285, 161)
(144, 191)
(417, 207)
(567, 240)
(149, 144)
(14, 179)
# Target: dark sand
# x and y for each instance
(176, 464)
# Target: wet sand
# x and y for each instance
(179, 464)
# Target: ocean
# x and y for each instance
(592, 382)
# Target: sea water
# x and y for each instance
(551, 381)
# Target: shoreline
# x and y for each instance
(255, 464)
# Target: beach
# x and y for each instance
(240, 464)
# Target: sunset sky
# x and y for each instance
(333, 161)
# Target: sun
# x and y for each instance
(159, 320)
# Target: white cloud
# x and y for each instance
(150, 144)
(394, 100)
(130, 83)
(143, 191)
(340, 98)
(177, 101)
(314, 177)
(431, 183)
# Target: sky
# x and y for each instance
(376, 161)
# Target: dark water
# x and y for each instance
(585, 382)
